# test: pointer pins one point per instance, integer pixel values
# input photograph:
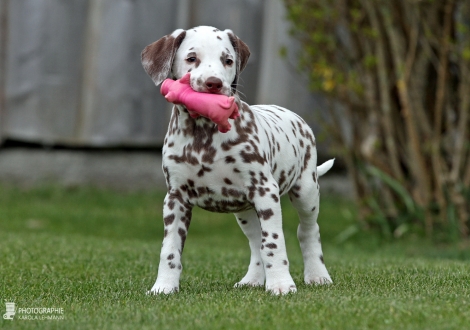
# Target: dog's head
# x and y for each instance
(215, 59)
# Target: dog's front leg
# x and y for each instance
(176, 217)
(273, 247)
(249, 223)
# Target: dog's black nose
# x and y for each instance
(213, 85)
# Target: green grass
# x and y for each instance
(94, 253)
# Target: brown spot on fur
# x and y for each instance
(182, 234)
(229, 159)
(167, 177)
(168, 220)
(224, 191)
(265, 214)
(186, 157)
(203, 170)
(282, 178)
(234, 193)
(271, 246)
(301, 130)
(227, 181)
(275, 236)
(201, 191)
(209, 155)
(307, 157)
(321, 259)
(296, 195)
(252, 157)
(171, 256)
(291, 170)
(226, 206)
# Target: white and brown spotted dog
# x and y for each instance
(270, 151)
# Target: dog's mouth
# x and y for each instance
(211, 85)
(227, 91)
(198, 85)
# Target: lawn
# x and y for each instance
(94, 253)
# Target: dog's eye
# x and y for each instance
(228, 61)
(191, 59)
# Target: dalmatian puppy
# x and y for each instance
(270, 151)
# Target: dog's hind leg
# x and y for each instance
(305, 197)
(273, 248)
(249, 223)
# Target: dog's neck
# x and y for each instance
(198, 129)
(182, 123)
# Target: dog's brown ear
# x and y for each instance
(242, 50)
(157, 58)
(243, 53)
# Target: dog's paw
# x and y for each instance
(253, 282)
(281, 288)
(318, 280)
(252, 278)
(161, 289)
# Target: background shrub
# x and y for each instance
(397, 76)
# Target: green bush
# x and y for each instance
(397, 74)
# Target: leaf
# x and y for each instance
(347, 234)
(401, 230)
(395, 186)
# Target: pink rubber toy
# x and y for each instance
(216, 107)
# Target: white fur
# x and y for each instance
(286, 163)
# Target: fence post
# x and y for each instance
(3, 62)
(92, 37)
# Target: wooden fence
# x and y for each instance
(70, 71)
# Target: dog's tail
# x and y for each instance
(325, 167)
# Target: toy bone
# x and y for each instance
(216, 107)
